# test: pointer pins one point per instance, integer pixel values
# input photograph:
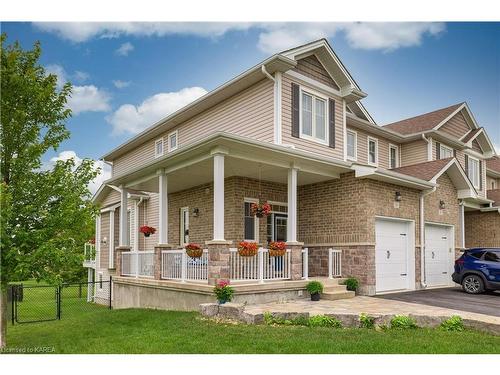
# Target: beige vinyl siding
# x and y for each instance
(112, 198)
(383, 148)
(457, 127)
(413, 153)
(311, 67)
(460, 156)
(104, 247)
(308, 145)
(249, 113)
(151, 217)
(476, 147)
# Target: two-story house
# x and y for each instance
(384, 204)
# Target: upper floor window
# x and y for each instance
(473, 171)
(493, 185)
(172, 141)
(372, 151)
(445, 152)
(393, 156)
(313, 118)
(352, 140)
(159, 147)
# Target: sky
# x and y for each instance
(126, 76)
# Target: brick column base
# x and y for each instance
(157, 258)
(118, 258)
(296, 259)
(218, 261)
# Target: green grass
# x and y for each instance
(153, 331)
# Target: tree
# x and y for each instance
(46, 213)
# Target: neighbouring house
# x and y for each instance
(385, 204)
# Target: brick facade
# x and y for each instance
(482, 229)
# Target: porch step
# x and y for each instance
(333, 296)
(326, 281)
(334, 288)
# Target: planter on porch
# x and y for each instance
(194, 250)
(147, 231)
(277, 249)
(247, 249)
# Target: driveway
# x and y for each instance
(451, 298)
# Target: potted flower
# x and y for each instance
(147, 231)
(223, 292)
(315, 288)
(261, 210)
(247, 249)
(194, 250)
(91, 241)
(277, 248)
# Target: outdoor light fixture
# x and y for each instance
(397, 197)
(104, 240)
(196, 212)
(441, 205)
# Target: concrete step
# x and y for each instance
(334, 288)
(333, 296)
(327, 281)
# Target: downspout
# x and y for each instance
(422, 236)
(266, 73)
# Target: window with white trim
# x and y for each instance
(352, 144)
(313, 117)
(493, 185)
(100, 280)
(159, 147)
(473, 172)
(445, 152)
(372, 151)
(251, 224)
(172, 141)
(393, 156)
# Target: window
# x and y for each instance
(372, 151)
(492, 185)
(100, 280)
(313, 119)
(445, 152)
(251, 223)
(159, 147)
(473, 171)
(172, 141)
(492, 256)
(352, 140)
(476, 254)
(393, 156)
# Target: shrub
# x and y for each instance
(223, 291)
(314, 287)
(351, 283)
(453, 324)
(324, 321)
(366, 321)
(270, 319)
(403, 322)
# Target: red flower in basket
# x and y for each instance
(277, 248)
(147, 231)
(247, 249)
(194, 250)
(261, 210)
(92, 241)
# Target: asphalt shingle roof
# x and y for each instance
(425, 171)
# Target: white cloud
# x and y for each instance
(121, 84)
(57, 70)
(81, 76)
(132, 119)
(104, 174)
(125, 49)
(273, 36)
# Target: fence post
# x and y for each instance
(261, 265)
(110, 290)
(13, 295)
(58, 301)
(183, 266)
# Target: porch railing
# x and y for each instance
(334, 263)
(261, 267)
(138, 263)
(177, 265)
(89, 255)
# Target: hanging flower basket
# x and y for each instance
(277, 249)
(247, 249)
(147, 231)
(194, 250)
(261, 210)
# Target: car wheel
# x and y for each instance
(473, 284)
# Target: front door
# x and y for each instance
(184, 235)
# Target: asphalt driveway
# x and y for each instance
(451, 298)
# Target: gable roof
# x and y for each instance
(425, 122)
(471, 135)
(425, 171)
(494, 195)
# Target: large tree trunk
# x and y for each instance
(3, 316)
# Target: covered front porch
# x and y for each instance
(203, 195)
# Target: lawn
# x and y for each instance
(153, 331)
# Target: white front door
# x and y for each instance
(184, 235)
(391, 255)
(438, 251)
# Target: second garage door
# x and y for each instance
(438, 254)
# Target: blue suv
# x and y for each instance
(478, 270)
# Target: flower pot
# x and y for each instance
(260, 215)
(194, 253)
(247, 252)
(147, 234)
(277, 252)
(222, 301)
(315, 297)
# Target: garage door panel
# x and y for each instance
(437, 254)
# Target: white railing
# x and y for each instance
(334, 263)
(89, 255)
(261, 267)
(177, 265)
(305, 263)
(138, 264)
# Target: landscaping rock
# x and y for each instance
(347, 320)
(209, 309)
(425, 321)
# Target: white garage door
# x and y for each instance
(438, 259)
(391, 255)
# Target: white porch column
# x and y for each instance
(291, 235)
(124, 237)
(111, 237)
(163, 197)
(218, 196)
